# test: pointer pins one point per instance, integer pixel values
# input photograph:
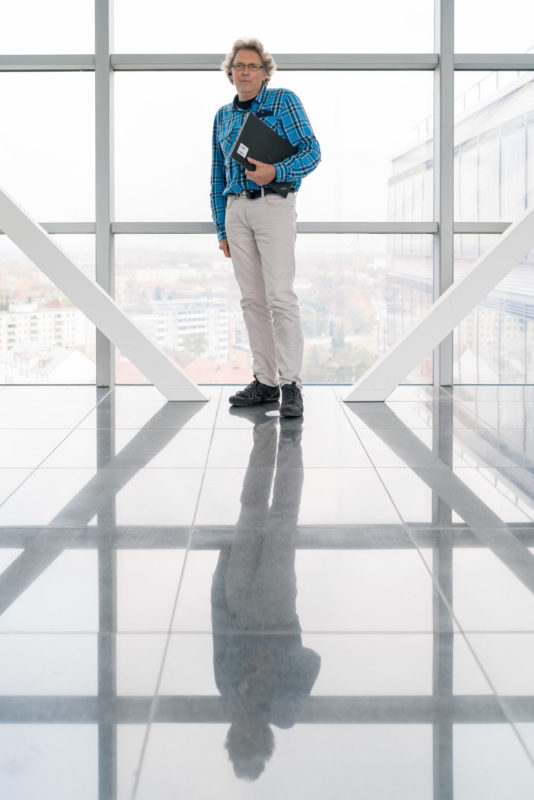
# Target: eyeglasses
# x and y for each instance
(239, 67)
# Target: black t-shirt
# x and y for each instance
(244, 104)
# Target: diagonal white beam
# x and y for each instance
(447, 312)
(98, 306)
(483, 523)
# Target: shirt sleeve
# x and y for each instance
(298, 131)
(218, 183)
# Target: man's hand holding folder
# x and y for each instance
(262, 174)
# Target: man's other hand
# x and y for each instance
(225, 247)
(263, 174)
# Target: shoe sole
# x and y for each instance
(291, 413)
(247, 403)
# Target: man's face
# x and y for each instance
(247, 81)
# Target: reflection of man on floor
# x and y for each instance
(261, 667)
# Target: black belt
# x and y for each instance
(253, 194)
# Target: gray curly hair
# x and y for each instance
(249, 44)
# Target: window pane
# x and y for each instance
(368, 145)
(371, 147)
(495, 343)
(488, 26)
(494, 164)
(57, 26)
(358, 295)
(43, 337)
(47, 144)
(349, 26)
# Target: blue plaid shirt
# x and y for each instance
(281, 110)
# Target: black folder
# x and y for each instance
(259, 141)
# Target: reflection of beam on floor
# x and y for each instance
(485, 525)
(464, 709)
(97, 492)
(334, 537)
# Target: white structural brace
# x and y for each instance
(443, 316)
(98, 306)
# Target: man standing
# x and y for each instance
(256, 225)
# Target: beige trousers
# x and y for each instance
(261, 234)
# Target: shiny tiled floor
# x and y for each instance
(199, 602)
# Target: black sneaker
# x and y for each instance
(256, 392)
(292, 405)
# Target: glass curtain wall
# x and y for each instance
(366, 216)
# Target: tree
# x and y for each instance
(194, 343)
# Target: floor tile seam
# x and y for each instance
(156, 694)
(112, 428)
(375, 414)
(454, 468)
(168, 634)
(522, 466)
(22, 632)
(498, 631)
(203, 468)
(340, 406)
(38, 466)
(39, 427)
(275, 632)
(244, 428)
(291, 468)
(462, 528)
(194, 467)
(195, 510)
(107, 468)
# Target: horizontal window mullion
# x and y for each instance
(47, 63)
(289, 61)
(481, 227)
(494, 61)
(302, 227)
(285, 61)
